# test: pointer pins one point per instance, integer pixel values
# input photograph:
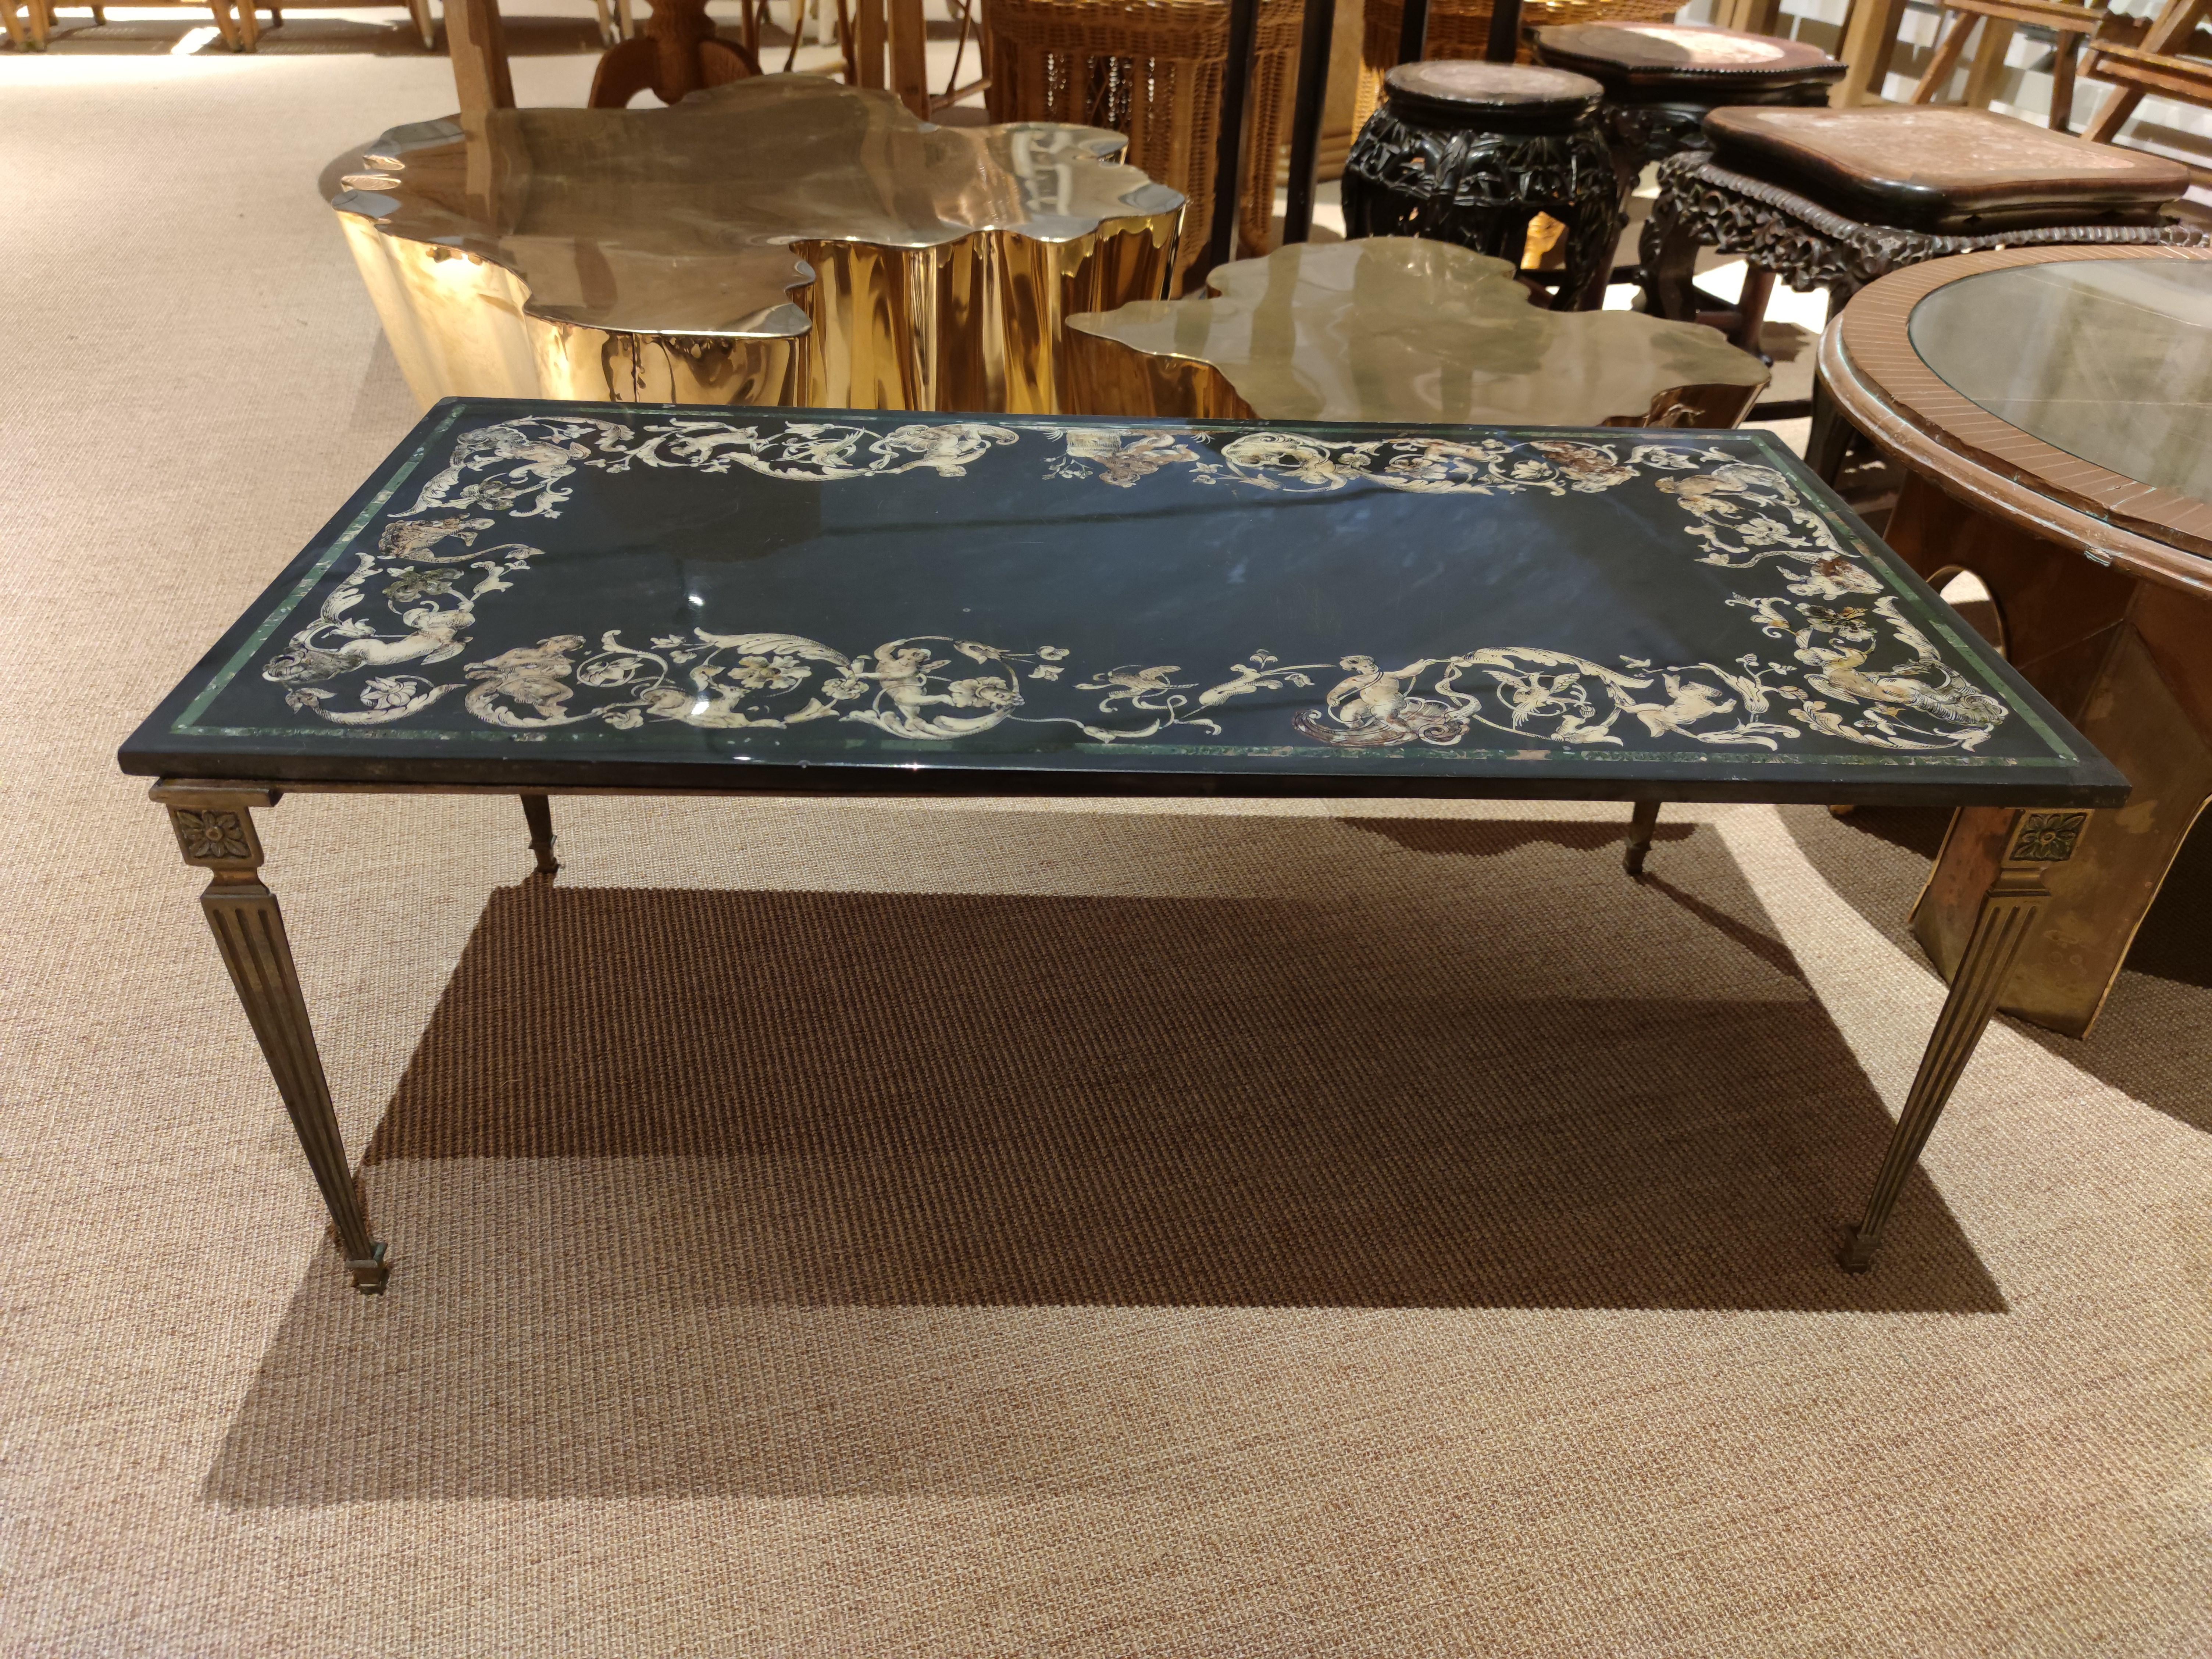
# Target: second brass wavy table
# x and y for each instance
(1399, 329)
(782, 240)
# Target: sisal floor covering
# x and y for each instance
(860, 1230)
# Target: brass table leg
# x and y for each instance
(538, 813)
(2008, 913)
(1641, 825)
(215, 831)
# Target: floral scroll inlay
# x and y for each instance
(1840, 660)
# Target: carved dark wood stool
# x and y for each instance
(1472, 153)
(1833, 198)
(1661, 80)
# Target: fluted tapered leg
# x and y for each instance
(1641, 825)
(2007, 915)
(215, 832)
(538, 813)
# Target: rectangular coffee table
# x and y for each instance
(533, 598)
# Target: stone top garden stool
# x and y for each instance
(1461, 28)
(1472, 153)
(1833, 198)
(1663, 79)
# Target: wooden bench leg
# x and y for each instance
(2175, 24)
(1829, 440)
(1945, 60)
(1751, 309)
(1668, 250)
(2062, 82)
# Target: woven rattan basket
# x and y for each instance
(1461, 28)
(1152, 69)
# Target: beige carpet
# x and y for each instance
(839, 1228)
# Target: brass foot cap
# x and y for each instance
(369, 1276)
(1857, 1253)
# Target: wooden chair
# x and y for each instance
(2156, 67)
(2072, 24)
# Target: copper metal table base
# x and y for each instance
(215, 831)
(2123, 659)
(2101, 580)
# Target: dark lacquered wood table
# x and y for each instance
(535, 598)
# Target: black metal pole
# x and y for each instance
(1229, 160)
(1504, 43)
(1305, 117)
(1413, 31)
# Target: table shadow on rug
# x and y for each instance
(677, 1173)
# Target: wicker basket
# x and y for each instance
(1152, 69)
(1461, 28)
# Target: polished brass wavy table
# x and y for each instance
(532, 598)
(782, 240)
(1399, 328)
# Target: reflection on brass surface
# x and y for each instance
(1393, 328)
(783, 239)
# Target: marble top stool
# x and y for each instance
(1661, 79)
(1833, 198)
(1472, 154)
(1397, 329)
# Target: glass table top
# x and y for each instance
(2109, 360)
(573, 595)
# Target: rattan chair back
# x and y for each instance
(1152, 69)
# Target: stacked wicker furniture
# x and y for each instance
(1152, 69)
(1461, 28)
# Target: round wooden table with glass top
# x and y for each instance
(2052, 408)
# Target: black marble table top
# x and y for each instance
(568, 595)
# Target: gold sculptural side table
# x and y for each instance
(1398, 328)
(782, 240)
